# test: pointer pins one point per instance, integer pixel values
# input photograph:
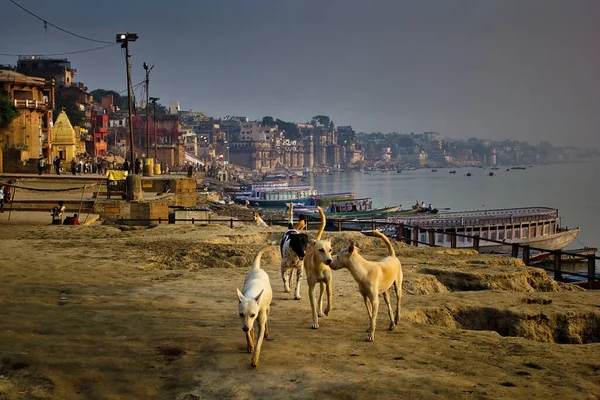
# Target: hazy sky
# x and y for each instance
(506, 69)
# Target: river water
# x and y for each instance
(571, 188)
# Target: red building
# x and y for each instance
(168, 131)
(99, 129)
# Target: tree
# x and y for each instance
(268, 121)
(322, 119)
(118, 100)
(71, 108)
(8, 112)
(371, 154)
(290, 128)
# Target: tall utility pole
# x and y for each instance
(124, 39)
(147, 108)
(154, 100)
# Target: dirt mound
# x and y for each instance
(217, 252)
(550, 327)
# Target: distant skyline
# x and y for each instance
(506, 69)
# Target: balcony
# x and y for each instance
(40, 105)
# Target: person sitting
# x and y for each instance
(430, 207)
(57, 213)
(74, 220)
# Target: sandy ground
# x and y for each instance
(102, 313)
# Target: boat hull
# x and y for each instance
(355, 214)
(556, 241)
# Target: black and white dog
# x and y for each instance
(293, 250)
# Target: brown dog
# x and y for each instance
(316, 264)
(373, 278)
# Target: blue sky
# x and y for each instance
(506, 69)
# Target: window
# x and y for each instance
(518, 233)
(525, 233)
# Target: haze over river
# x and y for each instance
(572, 188)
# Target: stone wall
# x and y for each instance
(112, 209)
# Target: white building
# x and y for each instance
(174, 107)
(255, 132)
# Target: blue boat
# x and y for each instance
(277, 196)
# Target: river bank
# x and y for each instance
(103, 312)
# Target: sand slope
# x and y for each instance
(101, 313)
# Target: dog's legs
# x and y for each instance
(398, 285)
(298, 280)
(375, 304)
(284, 276)
(320, 302)
(261, 335)
(369, 310)
(386, 297)
(329, 295)
(267, 330)
(250, 341)
(313, 306)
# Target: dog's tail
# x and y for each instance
(387, 242)
(290, 207)
(300, 225)
(256, 262)
(323, 220)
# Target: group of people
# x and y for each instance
(137, 166)
(77, 167)
(421, 206)
(58, 213)
(5, 194)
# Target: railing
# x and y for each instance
(30, 104)
(402, 235)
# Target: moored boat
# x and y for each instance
(537, 227)
(348, 209)
(264, 196)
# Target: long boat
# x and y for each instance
(348, 209)
(265, 196)
(537, 227)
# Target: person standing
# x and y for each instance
(41, 165)
(73, 166)
(126, 166)
(1, 198)
(7, 193)
(138, 165)
(57, 165)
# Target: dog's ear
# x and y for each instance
(351, 248)
(313, 242)
(239, 294)
(290, 226)
(257, 298)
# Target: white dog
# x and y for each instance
(373, 278)
(317, 261)
(254, 305)
(259, 221)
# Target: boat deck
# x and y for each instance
(487, 217)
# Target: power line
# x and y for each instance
(63, 54)
(57, 27)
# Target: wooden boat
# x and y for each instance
(537, 227)
(356, 208)
(264, 196)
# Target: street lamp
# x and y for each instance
(147, 108)
(154, 100)
(124, 39)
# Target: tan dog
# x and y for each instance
(373, 278)
(259, 221)
(316, 264)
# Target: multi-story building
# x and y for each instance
(98, 145)
(31, 132)
(48, 68)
